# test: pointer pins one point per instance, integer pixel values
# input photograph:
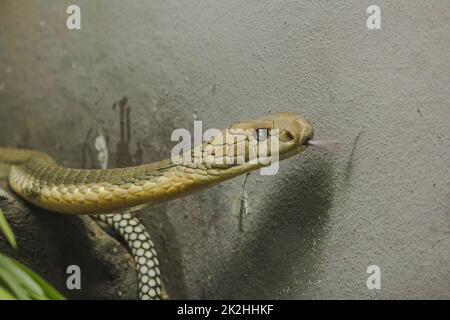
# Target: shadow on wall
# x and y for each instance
(280, 258)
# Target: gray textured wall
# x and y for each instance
(314, 227)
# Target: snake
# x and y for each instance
(109, 195)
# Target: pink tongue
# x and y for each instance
(326, 145)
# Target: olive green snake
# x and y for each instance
(108, 193)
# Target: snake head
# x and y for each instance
(252, 140)
(292, 130)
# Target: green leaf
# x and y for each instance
(6, 295)
(13, 285)
(48, 289)
(18, 281)
(21, 277)
(23, 282)
(6, 229)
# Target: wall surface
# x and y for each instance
(315, 227)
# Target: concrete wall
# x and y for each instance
(318, 224)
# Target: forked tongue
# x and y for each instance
(325, 145)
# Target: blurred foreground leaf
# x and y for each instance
(6, 229)
(19, 282)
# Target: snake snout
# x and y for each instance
(307, 131)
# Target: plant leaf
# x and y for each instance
(7, 231)
(11, 284)
(23, 282)
(49, 291)
(6, 295)
(20, 276)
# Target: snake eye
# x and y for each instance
(262, 134)
(286, 136)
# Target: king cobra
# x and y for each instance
(107, 194)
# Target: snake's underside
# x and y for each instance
(38, 179)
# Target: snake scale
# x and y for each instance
(107, 194)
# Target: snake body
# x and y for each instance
(37, 178)
(143, 251)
